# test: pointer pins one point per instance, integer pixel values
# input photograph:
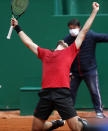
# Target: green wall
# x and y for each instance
(19, 67)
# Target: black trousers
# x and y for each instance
(92, 82)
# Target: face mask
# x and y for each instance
(74, 32)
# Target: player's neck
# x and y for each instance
(59, 47)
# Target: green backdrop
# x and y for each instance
(45, 22)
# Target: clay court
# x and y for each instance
(12, 121)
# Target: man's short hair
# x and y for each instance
(61, 42)
(74, 22)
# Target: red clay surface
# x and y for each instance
(12, 121)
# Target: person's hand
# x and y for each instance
(95, 6)
(14, 22)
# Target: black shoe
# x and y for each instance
(56, 124)
(100, 115)
(84, 123)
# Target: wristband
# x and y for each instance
(18, 28)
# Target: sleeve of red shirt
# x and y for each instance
(41, 52)
(73, 48)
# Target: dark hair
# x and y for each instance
(61, 42)
(74, 22)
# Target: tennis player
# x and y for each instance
(55, 93)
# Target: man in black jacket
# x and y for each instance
(84, 66)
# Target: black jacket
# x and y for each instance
(86, 59)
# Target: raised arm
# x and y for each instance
(25, 39)
(87, 25)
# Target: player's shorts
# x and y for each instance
(55, 99)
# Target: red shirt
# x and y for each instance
(56, 66)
